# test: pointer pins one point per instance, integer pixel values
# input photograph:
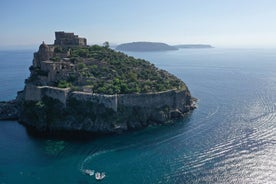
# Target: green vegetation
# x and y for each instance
(106, 44)
(64, 84)
(109, 72)
(56, 58)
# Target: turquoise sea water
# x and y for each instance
(229, 138)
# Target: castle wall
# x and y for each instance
(36, 93)
(82, 41)
(46, 66)
(147, 100)
(56, 93)
(32, 93)
(174, 99)
(109, 101)
(130, 110)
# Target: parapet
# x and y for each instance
(69, 39)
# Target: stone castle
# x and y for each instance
(46, 51)
(69, 39)
(59, 69)
(53, 71)
(46, 71)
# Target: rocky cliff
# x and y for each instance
(78, 88)
(105, 113)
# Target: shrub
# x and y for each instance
(63, 84)
(81, 66)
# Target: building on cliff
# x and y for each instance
(63, 39)
(52, 63)
(69, 39)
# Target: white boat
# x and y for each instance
(99, 176)
(89, 172)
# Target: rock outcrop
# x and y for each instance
(9, 110)
(105, 113)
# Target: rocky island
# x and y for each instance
(158, 46)
(145, 47)
(78, 88)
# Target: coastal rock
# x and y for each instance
(95, 113)
(9, 110)
(176, 114)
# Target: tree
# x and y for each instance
(106, 44)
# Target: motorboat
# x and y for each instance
(99, 176)
(89, 172)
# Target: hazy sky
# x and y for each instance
(227, 23)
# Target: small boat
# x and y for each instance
(99, 176)
(89, 172)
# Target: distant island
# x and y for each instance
(193, 46)
(157, 46)
(78, 88)
(145, 46)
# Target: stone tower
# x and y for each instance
(69, 39)
(44, 53)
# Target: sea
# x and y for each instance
(229, 138)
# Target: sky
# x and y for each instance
(221, 23)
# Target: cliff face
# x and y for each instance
(105, 113)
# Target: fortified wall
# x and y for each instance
(173, 98)
(109, 101)
(36, 93)
(99, 113)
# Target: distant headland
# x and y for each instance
(74, 87)
(157, 46)
(145, 46)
